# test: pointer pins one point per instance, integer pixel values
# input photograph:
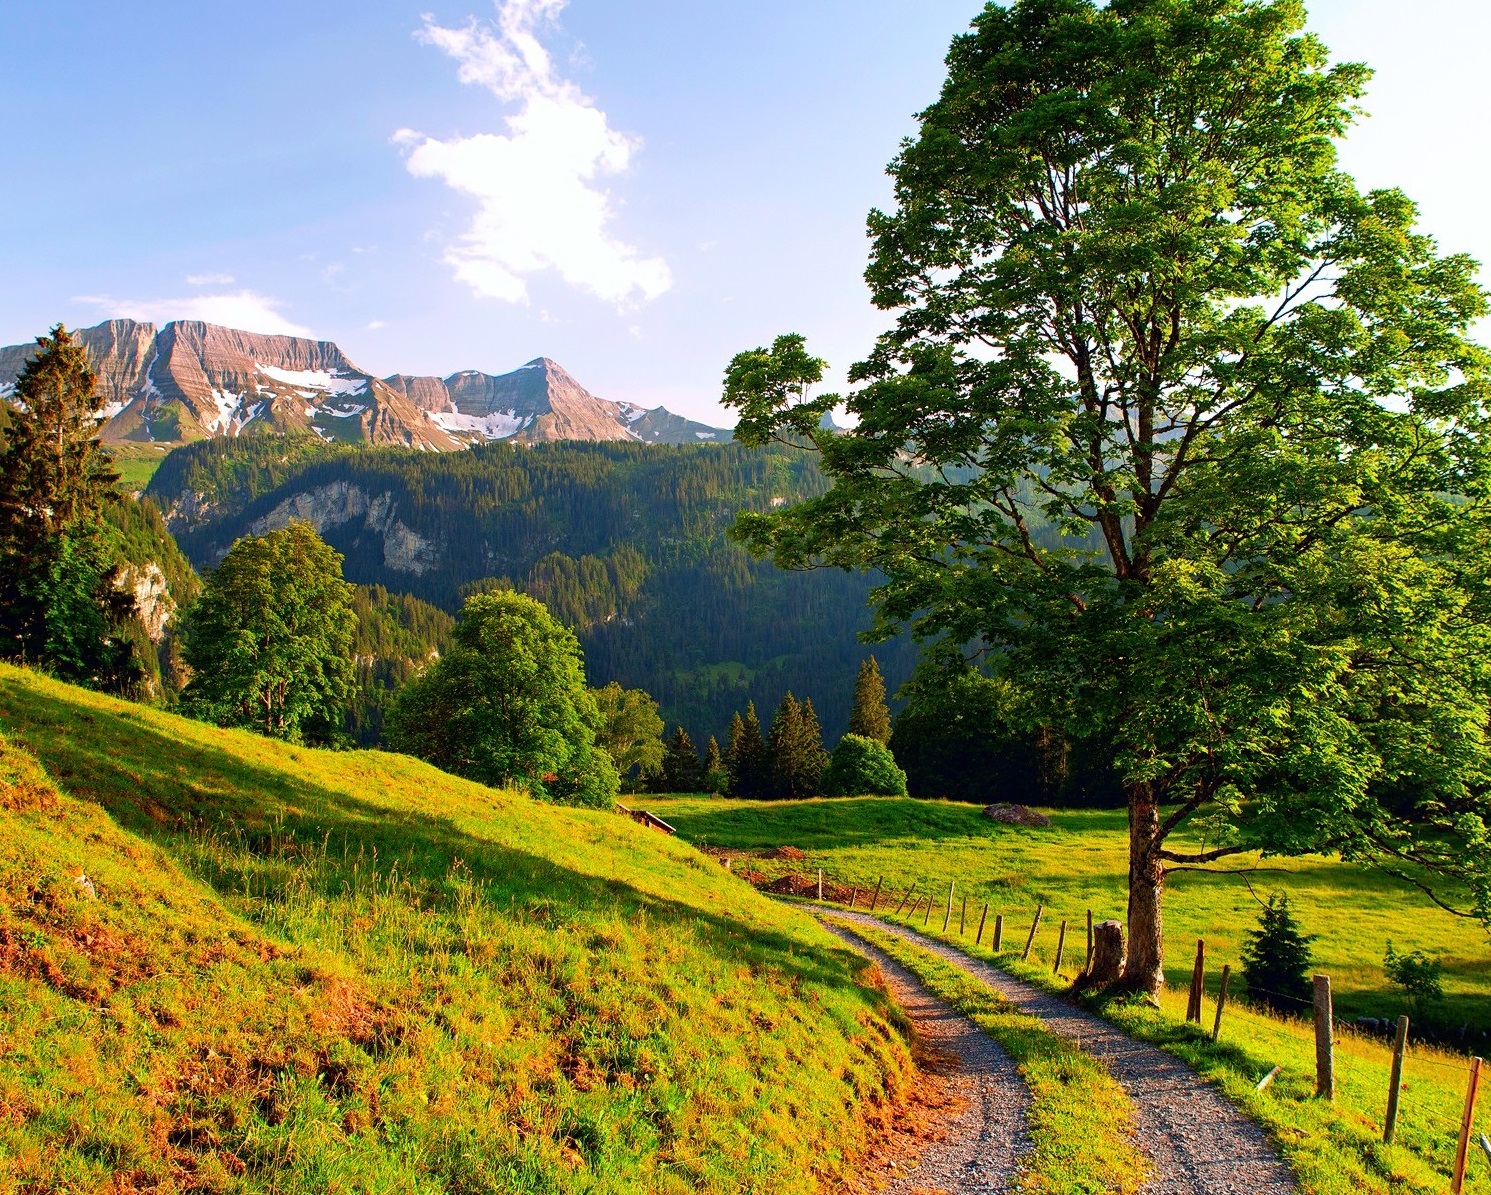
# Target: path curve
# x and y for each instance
(981, 1149)
(1198, 1142)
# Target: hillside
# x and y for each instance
(228, 964)
(626, 543)
(189, 381)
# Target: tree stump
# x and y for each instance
(1107, 954)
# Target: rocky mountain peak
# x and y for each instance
(190, 380)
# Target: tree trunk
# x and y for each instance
(1143, 970)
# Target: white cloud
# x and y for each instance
(209, 279)
(375, 325)
(244, 310)
(539, 203)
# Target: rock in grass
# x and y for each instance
(1015, 815)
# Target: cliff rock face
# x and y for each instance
(191, 381)
(339, 503)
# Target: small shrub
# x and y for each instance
(1420, 977)
(861, 766)
(1277, 958)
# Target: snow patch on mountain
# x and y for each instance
(314, 380)
(499, 425)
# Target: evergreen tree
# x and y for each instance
(60, 600)
(797, 756)
(716, 776)
(1276, 959)
(681, 772)
(870, 716)
(749, 764)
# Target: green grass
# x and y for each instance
(348, 972)
(136, 464)
(1080, 1119)
(1079, 863)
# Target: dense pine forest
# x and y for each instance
(627, 544)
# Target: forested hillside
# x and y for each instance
(625, 543)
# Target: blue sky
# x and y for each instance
(695, 176)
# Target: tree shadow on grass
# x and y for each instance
(171, 790)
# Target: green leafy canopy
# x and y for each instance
(1178, 425)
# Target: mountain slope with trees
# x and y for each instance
(626, 544)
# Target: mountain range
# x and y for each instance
(188, 381)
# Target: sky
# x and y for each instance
(637, 189)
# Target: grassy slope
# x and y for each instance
(1080, 862)
(307, 971)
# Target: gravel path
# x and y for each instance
(980, 1151)
(1199, 1143)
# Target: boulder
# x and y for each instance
(1015, 815)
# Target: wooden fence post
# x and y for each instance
(907, 897)
(1034, 925)
(998, 932)
(1216, 1029)
(876, 900)
(948, 916)
(981, 918)
(1198, 980)
(927, 917)
(820, 884)
(1325, 1043)
(1060, 949)
(963, 917)
(1395, 1084)
(1466, 1119)
(853, 895)
(1087, 966)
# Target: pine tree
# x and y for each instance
(716, 777)
(1276, 959)
(60, 598)
(749, 762)
(812, 754)
(681, 772)
(870, 716)
(54, 473)
(796, 751)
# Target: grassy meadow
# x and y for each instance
(1080, 863)
(228, 964)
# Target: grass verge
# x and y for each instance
(1080, 1120)
(228, 964)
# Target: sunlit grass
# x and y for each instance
(310, 971)
(1079, 864)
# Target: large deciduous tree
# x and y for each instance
(631, 730)
(61, 602)
(507, 706)
(269, 642)
(1184, 430)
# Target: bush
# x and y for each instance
(1420, 977)
(861, 766)
(1277, 958)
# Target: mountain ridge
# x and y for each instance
(187, 380)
